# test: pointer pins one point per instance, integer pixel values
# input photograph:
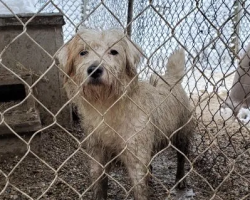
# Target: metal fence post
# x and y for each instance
(236, 26)
(130, 17)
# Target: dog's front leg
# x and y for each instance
(99, 179)
(136, 164)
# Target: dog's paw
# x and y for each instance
(182, 184)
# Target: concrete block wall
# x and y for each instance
(28, 49)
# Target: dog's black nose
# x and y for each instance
(95, 71)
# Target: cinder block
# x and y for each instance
(28, 50)
(24, 117)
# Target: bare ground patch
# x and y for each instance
(56, 168)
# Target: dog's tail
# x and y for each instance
(174, 72)
(176, 66)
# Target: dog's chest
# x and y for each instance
(117, 126)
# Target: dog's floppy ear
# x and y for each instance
(62, 56)
(66, 61)
(133, 56)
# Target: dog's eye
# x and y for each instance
(83, 53)
(113, 52)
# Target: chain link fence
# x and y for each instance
(55, 163)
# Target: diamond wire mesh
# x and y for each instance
(218, 165)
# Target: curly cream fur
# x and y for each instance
(122, 116)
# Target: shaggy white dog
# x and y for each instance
(125, 118)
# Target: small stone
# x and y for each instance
(190, 193)
(14, 196)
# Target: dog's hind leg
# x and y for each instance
(181, 142)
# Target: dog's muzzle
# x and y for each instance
(95, 71)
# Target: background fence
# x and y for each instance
(210, 31)
(213, 34)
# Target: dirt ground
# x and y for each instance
(56, 168)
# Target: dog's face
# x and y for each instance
(100, 62)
